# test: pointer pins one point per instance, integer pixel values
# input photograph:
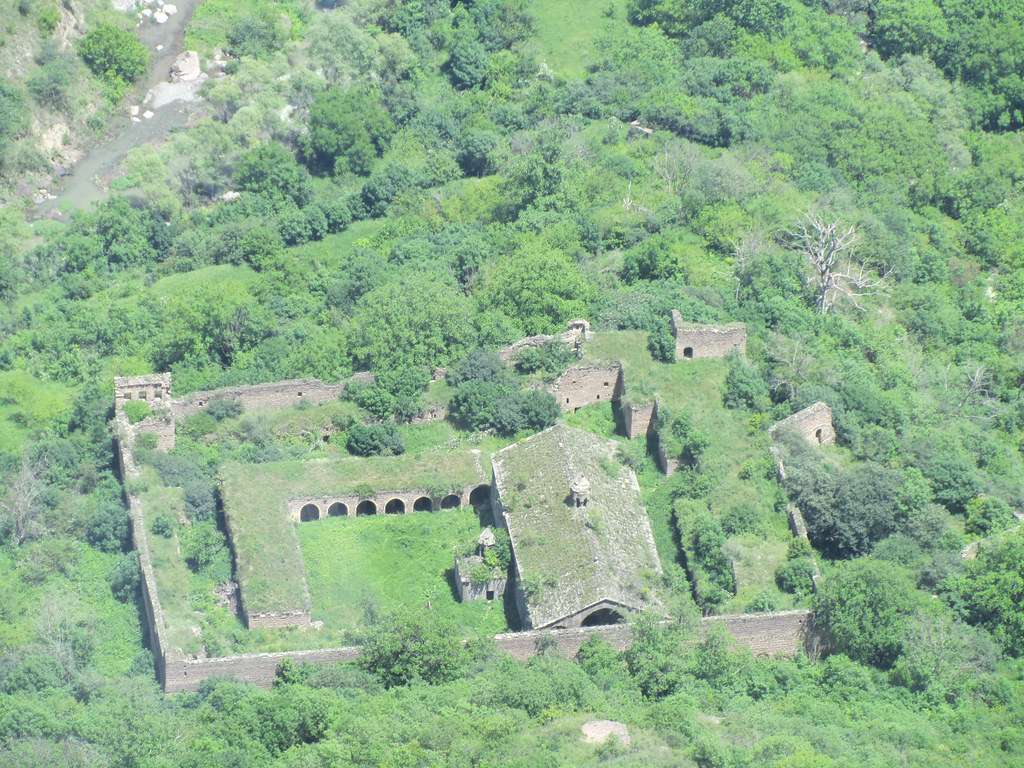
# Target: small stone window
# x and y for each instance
(688, 353)
(567, 400)
(490, 594)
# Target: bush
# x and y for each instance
(796, 576)
(478, 365)
(744, 387)
(125, 577)
(256, 35)
(107, 525)
(741, 518)
(113, 54)
(400, 649)
(137, 410)
(374, 440)
(987, 514)
(549, 359)
(162, 526)
(662, 344)
(348, 129)
(50, 85)
(271, 170)
(202, 545)
(221, 408)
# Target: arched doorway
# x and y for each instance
(423, 504)
(817, 435)
(394, 507)
(688, 353)
(451, 501)
(366, 507)
(309, 512)
(601, 617)
(480, 496)
(337, 509)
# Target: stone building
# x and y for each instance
(694, 340)
(582, 549)
(813, 424)
(583, 385)
(474, 578)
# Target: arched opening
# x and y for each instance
(366, 507)
(817, 436)
(337, 509)
(394, 507)
(480, 495)
(423, 504)
(309, 512)
(601, 617)
(688, 353)
(451, 501)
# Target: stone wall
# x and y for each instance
(278, 394)
(766, 634)
(259, 668)
(586, 384)
(813, 423)
(695, 340)
(636, 419)
(155, 389)
(277, 620)
(574, 336)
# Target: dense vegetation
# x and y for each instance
(413, 182)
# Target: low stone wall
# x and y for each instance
(258, 668)
(696, 340)
(160, 425)
(813, 424)
(277, 620)
(785, 633)
(586, 384)
(667, 465)
(278, 394)
(575, 335)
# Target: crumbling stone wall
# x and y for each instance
(278, 394)
(813, 424)
(696, 340)
(586, 384)
(278, 620)
(155, 391)
(574, 336)
(258, 668)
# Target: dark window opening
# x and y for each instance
(688, 353)
(817, 434)
(309, 512)
(337, 509)
(451, 501)
(490, 594)
(366, 507)
(423, 504)
(601, 617)
(394, 507)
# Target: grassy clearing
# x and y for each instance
(28, 404)
(269, 564)
(363, 566)
(566, 31)
(756, 560)
(218, 276)
(214, 19)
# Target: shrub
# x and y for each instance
(113, 54)
(796, 576)
(744, 387)
(137, 410)
(374, 440)
(400, 649)
(271, 170)
(741, 518)
(107, 526)
(478, 365)
(50, 85)
(202, 545)
(987, 514)
(256, 35)
(125, 577)
(549, 359)
(662, 344)
(221, 408)
(162, 526)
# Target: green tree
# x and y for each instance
(270, 169)
(114, 54)
(403, 648)
(864, 609)
(348, 129)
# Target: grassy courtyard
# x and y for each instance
(357, 567)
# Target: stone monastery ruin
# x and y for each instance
(582, 550)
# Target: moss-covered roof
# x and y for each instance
(571, 557)
(269, 565)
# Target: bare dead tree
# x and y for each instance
(21, 509)
(836, 275)
(744, 251)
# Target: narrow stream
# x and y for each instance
(86, 182)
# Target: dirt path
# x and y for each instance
(86, 183)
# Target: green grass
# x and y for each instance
(269, 565)
(213, 20)
(566, 30)
(378, 564)
(756, 560)
(28, 404)
(216, 276)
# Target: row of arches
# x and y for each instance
(396, 506)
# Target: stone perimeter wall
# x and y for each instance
(813, 423)
(766, 634)
(582, 385)
(707, 340)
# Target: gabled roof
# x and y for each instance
(570, 557)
